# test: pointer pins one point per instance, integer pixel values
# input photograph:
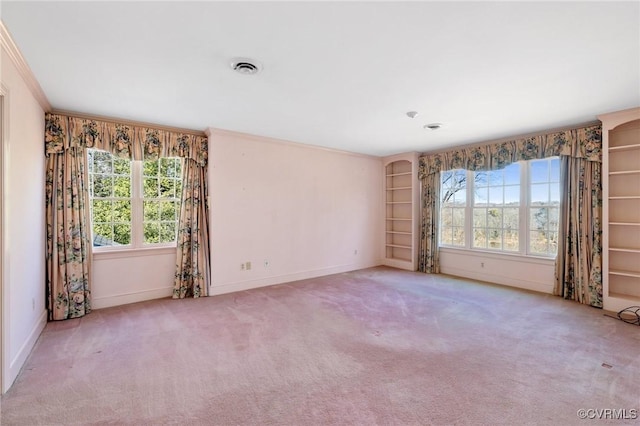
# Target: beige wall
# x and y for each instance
(307, 211)
(24, 313)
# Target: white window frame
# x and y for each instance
(137, 218)
(523, 224)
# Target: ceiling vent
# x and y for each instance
(245, 66)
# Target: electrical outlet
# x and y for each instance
(248, 265)
(482, 264)
(242, 266)
(355, 252)
(266, 263)
(33, 304)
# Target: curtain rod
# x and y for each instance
(511, 138)
(127, 122)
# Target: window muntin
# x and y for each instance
(512, 210)
(133, 203)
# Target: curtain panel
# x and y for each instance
(579, 262)
(68, 223)
(68, 257)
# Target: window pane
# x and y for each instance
(151, 210)
(150, 168)
(512, 174)
(101, 211)
(511, 242)
(166, 187)
(494, 218)
(458, 237)
(479, 218)
(481, 196)
(121, 166)
(554, 193)
(122, 233)
(495, 238)
(167, 232)
(446, 233)
(539, 171)
(167, 211)
(512, 195)
(122, 211)
(102, 234)
(495, 178)
(538, 242)
(446, 217)
(458, 217)
(151, 233)
(539, 218)
(150, 187)
(102, 186)
(101, 162)
(511, 218)
(122, 187)
(495, 196)
(480, 238)
(540, 193)
(453, 189)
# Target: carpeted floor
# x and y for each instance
(372, 347)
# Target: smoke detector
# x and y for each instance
(246, 66)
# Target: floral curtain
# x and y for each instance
(68, 224)
(584, 144)
(579, 262)
(68, 221)
(192, 265)
(428, 254)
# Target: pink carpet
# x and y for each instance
(371, 347)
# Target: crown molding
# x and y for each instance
(10, 47)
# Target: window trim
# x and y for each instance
(137, 244)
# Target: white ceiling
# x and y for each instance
(338, 74)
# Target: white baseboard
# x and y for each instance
(215, 290)
(16, 364)
(133, 297)
(520, 282)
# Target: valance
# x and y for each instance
(122, 140)
(584, 143)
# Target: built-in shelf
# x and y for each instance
(624, 147)
(625, 273)
(621, 192)
(399, 246)
(625, 250)
(625, 172)
(401, 201)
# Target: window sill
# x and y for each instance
(132, 252)
(540, 260)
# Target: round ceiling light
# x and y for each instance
(246, 66)
(412, 114)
